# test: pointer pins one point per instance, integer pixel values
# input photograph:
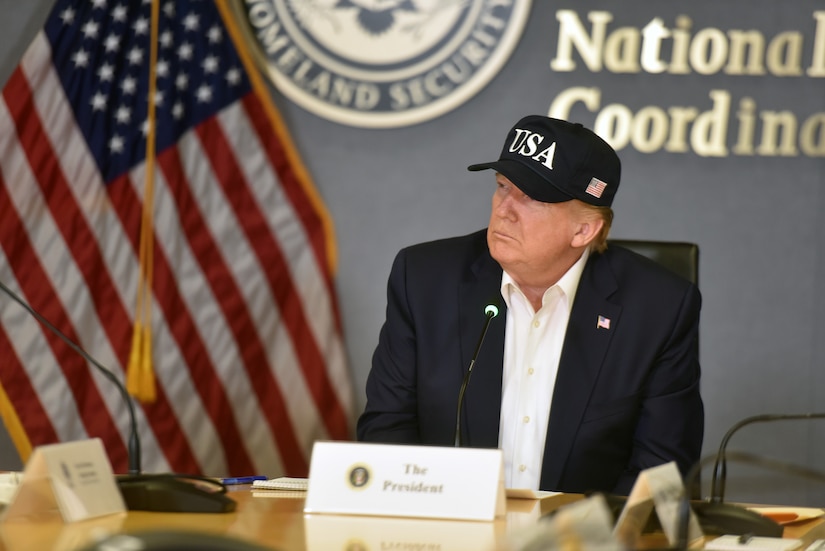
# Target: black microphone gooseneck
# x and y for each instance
(739, 519)
(162, 492)
(490, 311)
(727, 518)
(133, 447)
(717, 489)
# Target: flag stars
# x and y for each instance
(233, 76)
(214, 34)
(119, 13)
(162, 68)
(166, 39)
(112, 43)
(116, 144)
(90, 29)
(185, 51)
(129, 85)
(98, 101)
(106, 73)
(204, 94)
(67, 16)
(81, 59)
(123, 115)
(210, 64)
(192, 74)
(191, 22)
(141, 26)
(135, 56)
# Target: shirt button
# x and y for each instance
(522, 468)
(526, 419)
(536, 323)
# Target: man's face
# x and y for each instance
(535, 242)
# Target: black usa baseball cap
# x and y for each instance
(552, 160)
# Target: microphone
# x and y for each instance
(723, 518)
(490, 311)
(717, 491)
(161, 492)
(735, 520)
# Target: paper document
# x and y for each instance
(282, 483)
(524, 493)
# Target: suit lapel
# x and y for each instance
(482, 398)
(582, 357)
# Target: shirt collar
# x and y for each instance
(568, 283)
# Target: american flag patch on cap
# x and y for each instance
(595, 187)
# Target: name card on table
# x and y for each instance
(406, 481)
(660, 488)
(584, 524)
(74, 478)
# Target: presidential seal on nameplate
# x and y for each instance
(406, 481)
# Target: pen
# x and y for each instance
(242, 479)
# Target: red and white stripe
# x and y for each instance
(248, 353)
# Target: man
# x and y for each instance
(589, 375)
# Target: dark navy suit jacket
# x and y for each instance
(626, 397)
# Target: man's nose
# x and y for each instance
(505, 206)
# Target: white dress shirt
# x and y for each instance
(532, 348)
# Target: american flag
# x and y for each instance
(595, 187)
(247, 349)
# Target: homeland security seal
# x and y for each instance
(383, 63)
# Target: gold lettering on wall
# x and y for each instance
(704, 131)
(723, 126)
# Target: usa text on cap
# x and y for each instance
(553, 160)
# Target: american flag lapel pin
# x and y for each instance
(603, 323)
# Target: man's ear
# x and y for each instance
(587, 231)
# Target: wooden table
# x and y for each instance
(274, 522)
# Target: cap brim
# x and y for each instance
(526, 180)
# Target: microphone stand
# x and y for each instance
(490, 311)
(133, 446)
(717, 492)
(744, 514)
(162, 492)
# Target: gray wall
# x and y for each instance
(755, 218)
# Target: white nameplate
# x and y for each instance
(660, 488)
(74, 478)
(406, 481)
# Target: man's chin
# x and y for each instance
(499, 250)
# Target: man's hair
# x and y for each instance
(599, 243)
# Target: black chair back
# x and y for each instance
(679, 256)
